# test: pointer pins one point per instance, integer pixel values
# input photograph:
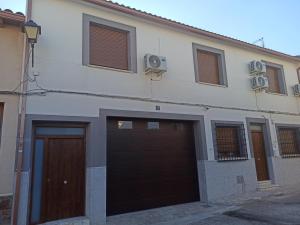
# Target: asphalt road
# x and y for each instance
(278, 209)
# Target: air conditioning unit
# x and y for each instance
(259, 83)
(155, 64)
(296, 89)
(257, 68)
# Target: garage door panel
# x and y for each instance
(148, 168)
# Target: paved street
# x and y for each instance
(274, 207)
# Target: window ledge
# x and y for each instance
(210, 84)
(274, 93)
(233, 159)
(291, 156)
(109, 68)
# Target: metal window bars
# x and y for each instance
(289, 141)
(231, 143)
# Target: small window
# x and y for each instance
(153, 125)
(65, 131)
(125, 124)
(276, 79)
(289, 142)
(209, 65)
(1, 118)
(230, 142)
(298, 74)
(108, 47)
(109, 44)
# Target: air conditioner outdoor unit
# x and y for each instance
(259, 83)
(257, 68)
(155, 64)
(296, 89)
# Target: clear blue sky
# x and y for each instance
(278, 21)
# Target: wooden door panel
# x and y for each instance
(260, 156)
(64, 179)
(153, 167)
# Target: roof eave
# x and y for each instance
(177, 25)
(12, 18)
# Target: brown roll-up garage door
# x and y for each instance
(150, 163)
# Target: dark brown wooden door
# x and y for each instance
(260, 156)
(150, 165)
(63, 192)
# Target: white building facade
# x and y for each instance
(88, 110)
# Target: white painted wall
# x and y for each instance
(59, 61)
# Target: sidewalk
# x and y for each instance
(276, 206)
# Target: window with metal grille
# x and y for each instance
(289, 142)
(230, 142)
(1, 118)
(108, 47)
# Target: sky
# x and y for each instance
(277, 21)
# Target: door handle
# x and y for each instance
(65, 182)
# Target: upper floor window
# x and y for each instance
(109, 44)
(298, 73)
(276, 79)
(1, 118)
(210, 65)
(230, 141)
(288, 138)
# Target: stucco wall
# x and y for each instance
(59, 62)
(223, 178)
(287, 171)
(11, 48)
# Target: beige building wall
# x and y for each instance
(11, 48)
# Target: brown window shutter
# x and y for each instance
(208, 67)
(108, 47)
(273, 76)
(288, 141)
(228, 141)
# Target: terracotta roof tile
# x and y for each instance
(7, 16)
(155, 18)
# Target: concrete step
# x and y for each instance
(71, 221)
(265, 185)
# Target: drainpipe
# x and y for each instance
(21, 124)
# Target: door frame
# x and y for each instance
(199, 137)
(267, 142)
(49, 124)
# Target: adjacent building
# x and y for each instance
(102, 137)
(11, 56)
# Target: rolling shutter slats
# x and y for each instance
(273, 76)
(108, 47)
(208, 67)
